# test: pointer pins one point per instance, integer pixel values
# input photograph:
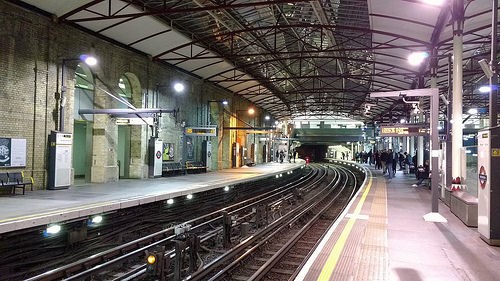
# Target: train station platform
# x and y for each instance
(42, 207)
(383, 236)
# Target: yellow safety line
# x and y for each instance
(81, 208)
(334, 256)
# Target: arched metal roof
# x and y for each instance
(297, 58)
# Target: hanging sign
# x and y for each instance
(404, 130)
(201, 131)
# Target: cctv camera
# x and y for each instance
(486, 68)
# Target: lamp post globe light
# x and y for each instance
(250, 112)
(179, 87)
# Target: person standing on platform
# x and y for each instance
(389, 163)
(282, 156)
(395, 160)
(408, 163)
(378, 165)
(383, 161)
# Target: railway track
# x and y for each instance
(277, 254)
(278, 227)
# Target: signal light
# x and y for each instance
(151, 259)
(156, 262)
(152, 263)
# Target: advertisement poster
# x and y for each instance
(12, 152)
(168, 151)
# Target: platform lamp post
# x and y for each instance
(267, 120)
(433, 94)
(87, 59)
(250, 112)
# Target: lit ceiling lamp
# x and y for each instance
(89, 60)
(179, 87)
(472, 111)
(484, 89)
(251, 111)
(416, 58)
(434, 2)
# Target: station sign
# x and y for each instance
(401, 130)
(201, 131)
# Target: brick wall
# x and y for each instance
(32, 49)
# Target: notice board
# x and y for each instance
(12, 152)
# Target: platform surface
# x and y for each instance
(41, 207)
(384, 236)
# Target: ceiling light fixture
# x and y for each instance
(484, 89)
(434, 2)
(416, 58)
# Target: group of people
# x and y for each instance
(282, 153)
(388, 160)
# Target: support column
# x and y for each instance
(411, 149)
(420, 143)
(457, 128)
(447, 127)
(434, 135)
(493, 65)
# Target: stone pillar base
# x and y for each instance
(104, 174)
(139, 171)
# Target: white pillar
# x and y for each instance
(433, 85)
(457, 133)
(420, 142)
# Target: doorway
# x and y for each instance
(82, 147)
(124, 151)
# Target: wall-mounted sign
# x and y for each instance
(168, 152)
(201, 131)
(404, 130)
(12, 152)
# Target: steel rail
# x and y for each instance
(242, 250)
(115, 255)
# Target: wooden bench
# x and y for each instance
(14, 180)
(195, 167)
(171, 168)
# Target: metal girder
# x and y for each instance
(284, 54)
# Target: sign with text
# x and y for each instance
(402, 130)
(12, 152)
(201, 131)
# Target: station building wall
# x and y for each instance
(33, 47)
